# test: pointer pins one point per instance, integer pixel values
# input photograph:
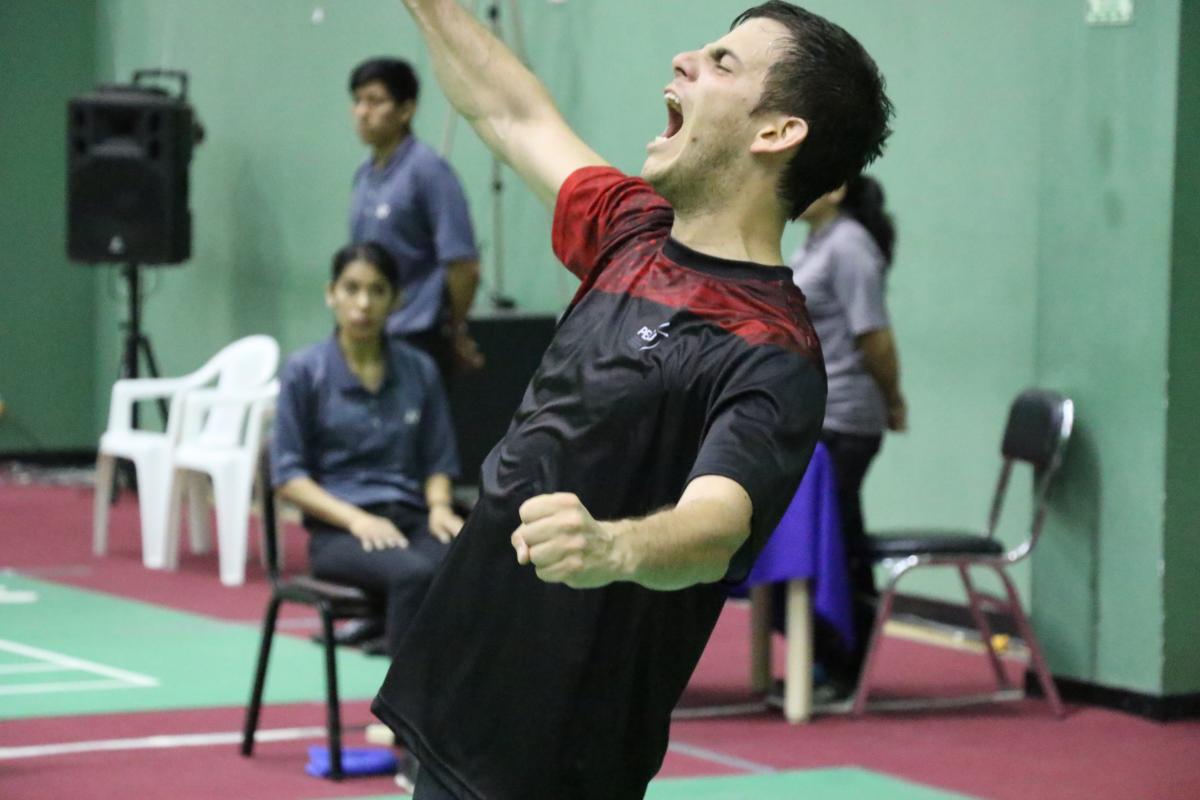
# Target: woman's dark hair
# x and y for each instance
(372, 253)
(865, 202)
(826, 78)
(394, 73)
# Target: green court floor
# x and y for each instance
(825, 784)
(79, 652)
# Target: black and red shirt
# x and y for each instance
(669, 364)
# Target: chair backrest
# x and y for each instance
(242, 367)
(1039, 426)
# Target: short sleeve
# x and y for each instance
(597, 209)
(449, 217)
(290, 446)
(760, 432)
(857, 277)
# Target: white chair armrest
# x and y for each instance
(198, 401)
(128, 391)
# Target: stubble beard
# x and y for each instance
(696, 183)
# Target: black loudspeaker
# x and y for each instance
(483, 402)
(128, 152)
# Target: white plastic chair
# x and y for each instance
(253, 359)
(220, 437)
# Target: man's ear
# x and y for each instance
(407, 110)
(780, 135)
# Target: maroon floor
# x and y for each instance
(1007, 752)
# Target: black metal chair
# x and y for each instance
(1039, 425)
(332, 601)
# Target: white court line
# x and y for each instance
(158, 742)
(719, 758)
(731, 710)
(68, 662)
(65, 686)
(14, 669)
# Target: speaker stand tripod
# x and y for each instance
(135, 346)
(136, 343)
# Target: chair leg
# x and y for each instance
(760, 637)
(797, 688)
(881, 617)
(333, 710)
(260, 676)
(1035, 649)
(105, 465)
(154, 476)
(179, 481)
(985, 630)
(199, 532)
(231, 492)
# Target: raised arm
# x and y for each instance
(503, 101)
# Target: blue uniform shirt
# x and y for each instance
(361, 447)
(414, 206)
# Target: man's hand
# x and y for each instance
(377, 533)
(467, 357)
(897, 416)
(565, 544)
(444, 524)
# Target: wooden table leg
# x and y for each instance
(797, 687)
(760, 637)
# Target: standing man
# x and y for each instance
(407, 198)
(667, 427)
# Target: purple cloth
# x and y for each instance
(807, 543)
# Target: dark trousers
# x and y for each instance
(851, 455)
(399, 577)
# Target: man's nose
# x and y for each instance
(684, 65)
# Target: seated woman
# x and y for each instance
(363, 445)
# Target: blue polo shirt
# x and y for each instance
(415, 207)
(359, 446)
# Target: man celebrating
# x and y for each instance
(667, 427)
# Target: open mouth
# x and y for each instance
(674, 115)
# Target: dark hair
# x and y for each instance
(372, 253)
(826, 78)
(394, 73)
(865, 202)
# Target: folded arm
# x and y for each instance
(503, 101)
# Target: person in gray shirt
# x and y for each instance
(408, 199)
(841, 269)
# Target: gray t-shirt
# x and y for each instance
(414, 206)
(840, 269)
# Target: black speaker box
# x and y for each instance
(483, 402)
(128, 153)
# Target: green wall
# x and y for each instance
(1034, 175)
(46, 303)
(1107, 116)
(1181, 551)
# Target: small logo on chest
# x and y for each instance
(412, 416)
(648, 338)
